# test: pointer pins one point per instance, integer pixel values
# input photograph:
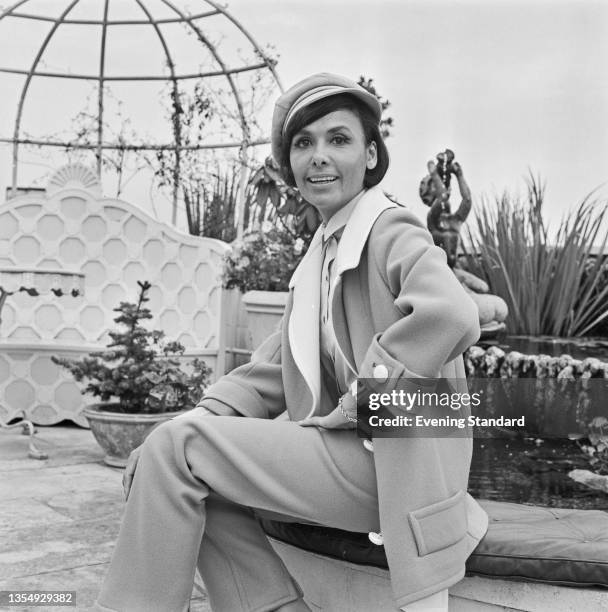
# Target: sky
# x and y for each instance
(509, 86)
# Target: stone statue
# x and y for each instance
(445, 226)
(435, 192)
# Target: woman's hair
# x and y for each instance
(316, 110)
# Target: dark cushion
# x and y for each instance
(555, 545)
(552, 545)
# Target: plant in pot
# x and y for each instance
(262, 261)
(260, 266)
(139, 380)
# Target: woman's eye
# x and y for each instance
(339, 139)
(300, 143)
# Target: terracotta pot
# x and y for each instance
(264, 312)
(119, 433)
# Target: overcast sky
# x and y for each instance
(507, 85)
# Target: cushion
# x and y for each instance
(551, 545)
(554, 545)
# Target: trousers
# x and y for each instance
(199, 483)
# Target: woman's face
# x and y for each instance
(329, 158)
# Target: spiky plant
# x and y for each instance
(552, 285)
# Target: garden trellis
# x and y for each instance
(104, 20)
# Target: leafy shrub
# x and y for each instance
(264, 260)
(139, 369)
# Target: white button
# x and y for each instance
(380, 373)
(376, 538)
(369, 445)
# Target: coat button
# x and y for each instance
(380, 373)
(369, 445)
(376, 538)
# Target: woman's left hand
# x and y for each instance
(335, 419)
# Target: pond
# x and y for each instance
(529, 470)
(525, 471)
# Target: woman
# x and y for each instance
(373, 298)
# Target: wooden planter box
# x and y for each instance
(264, 312)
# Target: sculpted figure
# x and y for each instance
(445, 226)
(435, 191)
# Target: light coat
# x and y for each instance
(398, 312)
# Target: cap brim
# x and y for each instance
(310, 90)
(327, 91)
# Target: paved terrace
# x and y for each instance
(59, 517)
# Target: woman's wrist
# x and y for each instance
(347, 405)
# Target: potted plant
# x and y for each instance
(139, 380)
(263, 260)
(260, 266)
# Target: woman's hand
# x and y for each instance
(129, 473)
(127, 476)
(335, 419)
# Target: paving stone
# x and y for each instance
(69, 478)
(96, 503)
(59, 518)
(19, 513)
(59, 546)
(64, 445)
(86, 580)
(25, 513)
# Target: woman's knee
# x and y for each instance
(162, 438)
(174, 433)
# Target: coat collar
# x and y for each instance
(338, 221)
(351, 244)
(303, 326)
(369, 207)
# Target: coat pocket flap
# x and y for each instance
(439, 525)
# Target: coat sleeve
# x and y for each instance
(254, 389)
(439, 322)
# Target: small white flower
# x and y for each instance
(298, 245)
(267, 226)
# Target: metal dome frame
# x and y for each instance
(191, 21)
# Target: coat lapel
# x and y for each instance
(355, 234)
(350, 248)
(303, 325)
